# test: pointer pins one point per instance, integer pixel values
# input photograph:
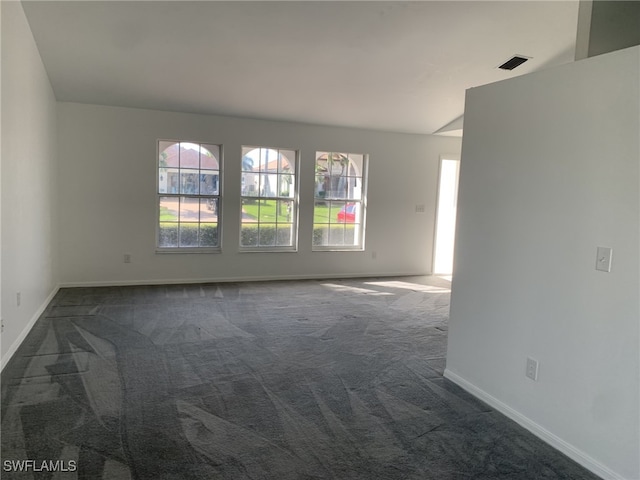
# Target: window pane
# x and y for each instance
(168, 234)
(168, 180)
(336, 235)
(287, 161)
(321, 213)
(338, 187)
(268, 185)
(269, 160)
(321, 186)
(285, 211)
(267, 235)
(259, 182)
(267, 211)
(210, 157)
(208, 209)
(189, 182)
(250, 184)
(354, 189)
(249, 163)
(209, 182)
(337, 212)
(189, 209)
(249, 235)
(189, 234)
(250, 209)
(189, 155)
(284, 236)
(320, 235)
(168, 154)
(286, 186)
(169, 208)
(208, 235)
(356, 161)
(348, 213)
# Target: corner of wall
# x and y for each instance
(28, 263)
(8, 354)
(542, 433)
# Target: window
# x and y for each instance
(339, 207)
(188, 196)
(269, 199)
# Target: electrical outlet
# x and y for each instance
(374, 255)
(127, 258)
(18, 299)
(532, 369)
(2, 325)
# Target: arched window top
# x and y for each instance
(189, 155)
(268, 160)
(336, 164)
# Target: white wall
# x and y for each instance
(108, 202)
(28, 168)
(550, 170)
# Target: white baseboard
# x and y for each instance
(256, 278)
(559, 444)
(25, 331)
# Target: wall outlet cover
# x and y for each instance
(603, 259)
(532, 369)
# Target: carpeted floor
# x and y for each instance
(337, 379)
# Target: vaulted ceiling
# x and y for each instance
(393, 66)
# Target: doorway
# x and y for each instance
(446, 215)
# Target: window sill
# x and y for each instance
(187, 250)
(337, 249)
(267, 250)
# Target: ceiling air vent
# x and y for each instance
(513, 62)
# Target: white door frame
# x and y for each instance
(445, 222)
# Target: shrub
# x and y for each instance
(188, 235)
(334, 235)
(264, 236)
(208, 236)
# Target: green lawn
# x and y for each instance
(266, 211)
(321, 214)
(167, 215)
(206, 234)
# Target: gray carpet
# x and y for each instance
(337, 379)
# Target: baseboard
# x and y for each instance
(569, 450)
(251, 278)
(25, 331)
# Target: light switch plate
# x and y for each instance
(603, 259)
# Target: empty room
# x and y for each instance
(320, 240)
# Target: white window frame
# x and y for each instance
(258, 196)
(359, 226)
(178, 195)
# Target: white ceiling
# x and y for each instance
(394, 66)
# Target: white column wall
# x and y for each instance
(549, 172)
(28, 171)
